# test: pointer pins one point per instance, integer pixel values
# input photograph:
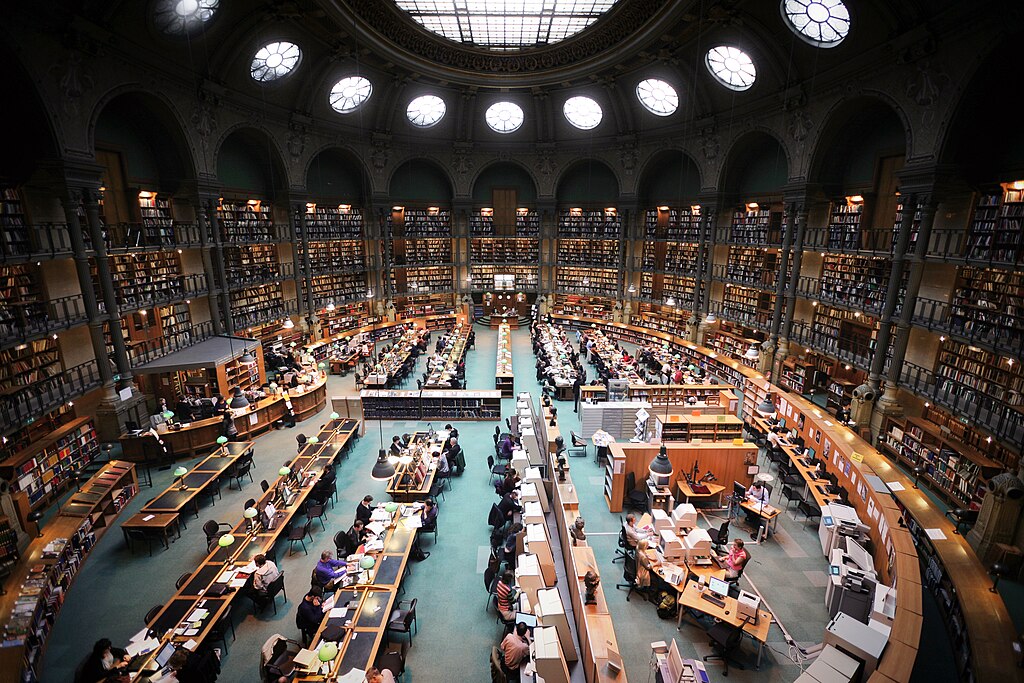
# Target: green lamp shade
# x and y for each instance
(292, 345)
(367, 562)
(323, 365)
(168, 414)
(284, 471)
(391, 507)
(180, 472)
(222, 440)
(225, 540)
(312, 439)
(249, 513)
(327, 652)
(335, 416)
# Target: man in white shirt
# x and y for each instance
(266, 573)
(633, 534)
(757, 495)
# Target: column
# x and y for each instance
(769, 350)
(213, 282)
(705, 263)
(303, 269)
(798, 256)
(218, 263)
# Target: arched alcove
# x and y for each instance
(30, 139)
(335, 175)
(862, 141)
(505, 176)
(247, 163)
(420, 180)
(671, 177)
(755, 166)
(588, 181)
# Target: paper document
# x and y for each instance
(148, 517)
(338, 613)
(413, 522)
(237, 583)
(305, 658)
(142, 647)
(353, 676)
(374, 546)
(328, 604)
(226, 576)
(140, 636)
(376, 527)
(198, 615)
(190, 645)
(894, 486)
(935, 534)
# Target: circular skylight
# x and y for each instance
(274, 60)
(731, 66)
(504, 117)
(350, 92)
(506, 25)
(658, 97)
(182, 16)
(822, 23)
(582, 112)
(425, 110)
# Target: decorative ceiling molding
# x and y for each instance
(629, 26)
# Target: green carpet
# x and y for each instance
(115, 589)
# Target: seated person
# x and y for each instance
(266, 573)
(396, 445)
(506, 447)
(757, 495)
(456, 459)
(735, 560)
(645, 566)
(634, 534)
(509, 504)
(310, 613)
(452, 431)
(507, 550)
(508, 484)
(515, 647)
(103, 662)
(443, 468)
(843, 413)
(328, 569)
(428, 515)
(374, 675)
(358, 534)
(324, 486)
(507, 596)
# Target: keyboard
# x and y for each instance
(714, 600)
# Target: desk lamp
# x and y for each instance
(250, 514)
(334, 416)
(918, 470)
(225, 540)
(284, 471)
(221, 440)
(312, 439)
(180, 472)
(168, 414)
(34, 517)
(995, 571)
(382, 469)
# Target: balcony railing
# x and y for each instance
(848, 350)
(43, 240)
(768, 237)
(997, 333)
(40, 398)
(179, 338)
(739, 276)
(39, 319)
(127, 237)
(756, 319)
(875, 242)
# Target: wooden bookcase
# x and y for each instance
(255, 305)
(756, 225)
(848, 331)
(749, 305)
(498, 250)
(752, 266)
(972, 368)
(583, 280)
(43, 468)
(961, 430)
(988, 303)
(143, 278)
(248, 263)
(328, 223)
(381, 404)
(672, 223)
(423, 305)
(419, 222)
(29, 365)
(504, 380)
(839, 393)
(245, 221)
(956, 470)
(860, 281)
(733, 341)
(336, 256)
(51, 564)
(845, 224)
(659, 287)
(482, 277)
(603, 253)
(586, 306)
(997, 226)
(688, 427)
(157, 219)
(590, 223)
(677, 394)
(797, 375)
(14, 234)
(23, 297)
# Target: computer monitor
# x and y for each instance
(782, 422)
(739, 491)
(528, 619)
(164, 655)
(718, 587)
(832, 478)
(809, 452)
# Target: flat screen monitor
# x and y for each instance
(782, 422)
(526, 618)
(718, 587)
(739, 490)
(164, 655)
(809, 452)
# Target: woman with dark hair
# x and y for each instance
(105, 662)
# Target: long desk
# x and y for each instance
(503, 378)
(439, 377)
(201, 435)
(369, 602)
(410, 483)
(812, 487)
(690, 598)
(170, 623)
(390, 363)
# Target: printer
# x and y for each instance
(747, 605)
(852, 581)
(670, 545)
(833, 516)
(684, 517)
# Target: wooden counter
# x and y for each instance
(201, 435)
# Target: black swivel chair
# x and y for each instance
(403, 620)
(635, 498)
(725, 639)
(214, 529)
(620, 552)
(259, 602)
(629, 574)
(720, 536)
(496, 470)
(343, 545)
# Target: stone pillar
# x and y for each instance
(303, 269)
(999, 516)
(769, 349)
(786, 330)
(210, 206)
(212, 281)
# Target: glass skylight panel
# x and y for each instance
(425, 110)
(657, 97)
(182, 16)
(349, 93)
(504, 117)
(505, 25)
(823, 23)
(582, 112)
(731, 66)
(275, 60)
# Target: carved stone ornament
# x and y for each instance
(799, 125)
(379, 156)
(462, 162)
(204, 120)
(297, 139)
(627, 158)
(545, 164)
(710, 147)
(926, 85)
(73, 80)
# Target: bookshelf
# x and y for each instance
(420, 251)
(838, 393)
(328, 289)
(964, 368)
(422, 305)
(694, 427)
(845, 224)
(671, 319)
(748, 305)
(996, 226)
(24, 301)
(755, 225)
(380, 404)
(672, 223)
(846, 333)
(413, 281)
(582, 280)
(797, 375)
(527, 223)
(249, 263)
(504, 380)
(956, 470)
(143, 278)
(517, 250)
(677, 394)
(584, 306)
(590, 223)
(336, 256)
(36, 430)
(482, 277)
(345, 317)
(419, 222)
(658, 287)
(157, 220)
(987, 304)
(859, 281)
(752, 266)
(43, 468)
(734, 341)
(342, 222)
(245, 221)
(25, 367)
(8, 542)
(960, 428)
(14, 234)
(255, 305)
(52, 564)
(594, 252)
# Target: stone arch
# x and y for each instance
(756, 163)
(427, 168)
(679, 173)
(511, 168)
(585, 181)
(271, 171)
(340, 157)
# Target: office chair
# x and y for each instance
(259, 602)
(497, 666)
(498, 471)
(620, 552)
(393, 659)
(809, 510)
(429, 527)
(212, 529)
(629, 574)
(578, 443)
(635, 499)
(720, 536)
(403, 620)
(495, 519)
(725, 639)
(299, 533)
(152, 614)
(182, 580)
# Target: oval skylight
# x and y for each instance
(822, 23)
(182, 16)
(731, 66)
(504, 117)
(274, 60)
(582, 112)
(349, 93)
(506, 25)
(425, 110)
(658, 97)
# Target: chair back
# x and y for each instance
(210, 529)
(276, 586)
(264, 485)
(249, 503)
(723, 533)
(629, 566)
(182, 580)
(497, 671)
(314, 510)
(490, 574)
(630, 482)
(343, 544)
(494, 517)
(490, 461)
(622, 538)
(410, 615)
(576, 440)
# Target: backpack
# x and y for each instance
(666, 605)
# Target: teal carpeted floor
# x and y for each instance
(115, 589)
